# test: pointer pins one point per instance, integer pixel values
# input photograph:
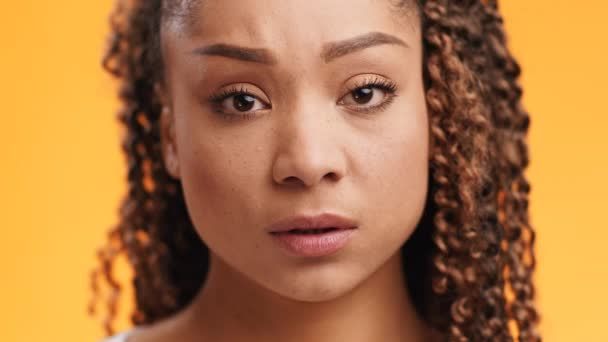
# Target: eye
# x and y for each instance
(237, 102)
(365, 95)
(371, 95)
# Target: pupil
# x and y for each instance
(243, 103)
(363, 95)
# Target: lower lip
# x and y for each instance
(314, 245)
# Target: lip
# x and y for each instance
(313, 244)
(304, 222)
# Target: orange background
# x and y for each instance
(62, 172)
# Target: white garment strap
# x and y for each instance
(120, 337)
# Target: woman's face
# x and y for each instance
(333, 120)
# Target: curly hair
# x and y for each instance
(474, 244)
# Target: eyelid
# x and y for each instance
(385, 84)
(375, 81)
(239, 88)
(217, 100)
(367, 80)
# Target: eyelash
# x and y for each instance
(383, 84)
(388, 86)
(217, 99)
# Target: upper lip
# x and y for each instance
(324, 220)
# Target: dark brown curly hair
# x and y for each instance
(474, 244)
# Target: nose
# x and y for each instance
(309, 150)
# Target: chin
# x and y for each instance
(318, 287)
(315, 294)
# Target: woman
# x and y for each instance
(321, 171)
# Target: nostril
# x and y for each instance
(332, 176)
(292, 180)
(296, 181)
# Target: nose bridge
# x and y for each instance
(308, 148)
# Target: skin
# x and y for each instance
(305, 150)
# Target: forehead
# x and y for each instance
(195, 17)
(295, 33)
(184, 11)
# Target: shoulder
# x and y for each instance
(120, 337)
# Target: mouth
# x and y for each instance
(315, 242)
(313, 236)
(316, 231)
(319, 224)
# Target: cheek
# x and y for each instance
(220, 178)
(396, 171)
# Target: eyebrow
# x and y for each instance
(330, 51)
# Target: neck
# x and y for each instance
(232, 308)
